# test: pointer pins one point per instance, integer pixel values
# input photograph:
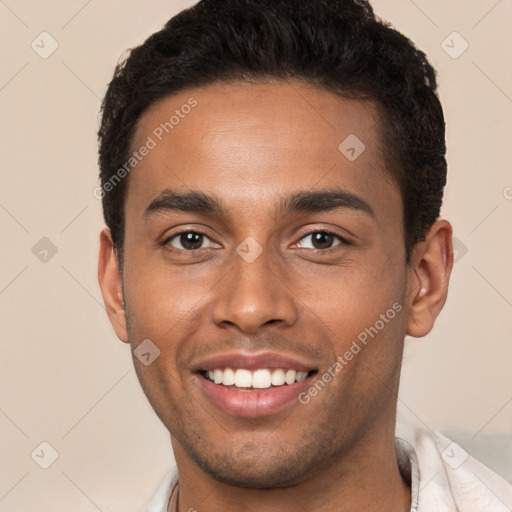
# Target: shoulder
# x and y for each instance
(161, 498)
(446, 478)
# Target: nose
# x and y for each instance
(254, 294)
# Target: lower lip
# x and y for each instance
(253, 403)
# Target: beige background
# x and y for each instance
(66, 379)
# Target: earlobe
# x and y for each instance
(429, 275)
(110, 281)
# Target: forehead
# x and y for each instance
(248, 142)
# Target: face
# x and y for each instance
(258, 251)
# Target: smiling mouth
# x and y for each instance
(252, 387)
(242, 379)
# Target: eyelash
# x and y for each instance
(166, 242)
(343, 241)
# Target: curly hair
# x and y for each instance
(336, 45)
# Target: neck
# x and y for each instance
(365, 478)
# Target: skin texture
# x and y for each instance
(250, 145)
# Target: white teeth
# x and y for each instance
(243, 378)
(218, 376)
(278, 377)
(301, 376)
(289, 378)
(261, 378)
(229, 377)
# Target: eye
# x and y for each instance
(321, 240)
(189, 241)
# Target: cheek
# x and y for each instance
(160, 300)
(352, 298)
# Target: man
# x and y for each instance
(272, 173)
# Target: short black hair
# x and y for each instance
(336, 45)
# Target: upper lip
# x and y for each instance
(249, 361)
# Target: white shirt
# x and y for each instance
(443, 477)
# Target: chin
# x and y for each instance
(255, 478)
(253, 468)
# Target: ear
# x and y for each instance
(429, 275)
(110, 281)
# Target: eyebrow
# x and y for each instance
(299, 202)
(193, 201)
(323, 201)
